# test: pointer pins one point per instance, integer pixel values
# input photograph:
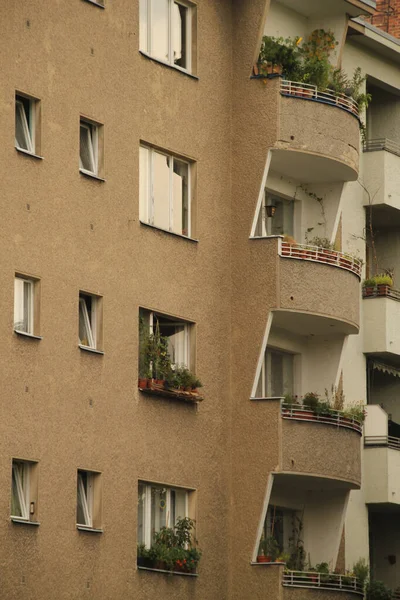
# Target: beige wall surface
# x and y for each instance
(323, 450)
(78, 233)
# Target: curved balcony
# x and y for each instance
(318, 138)
(310, 445)
(319, 290)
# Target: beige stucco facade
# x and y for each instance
(65, 408)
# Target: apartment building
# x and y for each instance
(161, 202)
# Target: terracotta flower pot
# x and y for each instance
(264, 559)
(383, 289)
(143, 383)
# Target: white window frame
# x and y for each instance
(22, 491)
(93, 145)
(147, 508)
(149, 201)
(29, 129)
(90, 322)
(186, 349)
(86, 497)
(149, 49)
(21, 301)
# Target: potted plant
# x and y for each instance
(283, 557)
(268, 550)
(383, 283)
(369, 287)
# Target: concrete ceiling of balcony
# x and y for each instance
(310, 168)
(385, 218)
(314, 8)
(288, 483)
(308, 324)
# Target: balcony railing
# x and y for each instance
(385, 441)
(381, 144)
(381, 290)
(335, 417)
(311, 92)
(322, 255)
(331, 581)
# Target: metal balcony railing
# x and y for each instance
(311, 92)
(381, 144)
(331, 581)
(321, 255)
(335, 417)
(384, 290)
(386, 441)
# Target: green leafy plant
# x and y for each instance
(377, 590)
(355, 411)
(383, 279)
(370, 282)
(174, 548)
(361, 570)
(311, 400)
(297, 552)
(321, 242)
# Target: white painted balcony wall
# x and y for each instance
(381, 177)
(381, 326)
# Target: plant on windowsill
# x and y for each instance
(268, 550)
(173, 549)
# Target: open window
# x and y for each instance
(26, 123)
(166, 31)
(26, 305)
(165, 191)
(90, 322)
(91, 148)
(88, 508)
(24, 491)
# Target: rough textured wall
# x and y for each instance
(66, 408)
(321, 129)
(313, 594)
(320, 289)
(321, 450)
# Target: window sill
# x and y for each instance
(167, 572)
(266, 398)
(88, 349)
(89, 529)
(95, 3)
(82, 171)
(155, 389)
(179, 235)
(166, 64)
(24, 521)
(27, 153)
(28, 335)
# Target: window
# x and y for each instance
(88, 507)
(280, 523)
(275, 217)
(26, 299)
(90, 321)
(24, 490)
(165, 194)
(159, 506)
(177, 332)
(26, 123)
(166, 31)
(90, 148)
(276, 376)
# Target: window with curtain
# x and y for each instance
(277, 374)
(165, 31)
(159, 506)
(24, 124)
(164, 191)
(23, 305)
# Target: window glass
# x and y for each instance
(178, 505)
(87, 152)
(175, 331)
(282, 221)
(144, 184)
(158, 509)
(179, 34)
(86, 321)
(159, 29)
(84, 499)
(161, 186)
(23, 305)
(23, 125)
(143, 38)
(141, 513)
(279, 373)
(19, 488)
(180, 195)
